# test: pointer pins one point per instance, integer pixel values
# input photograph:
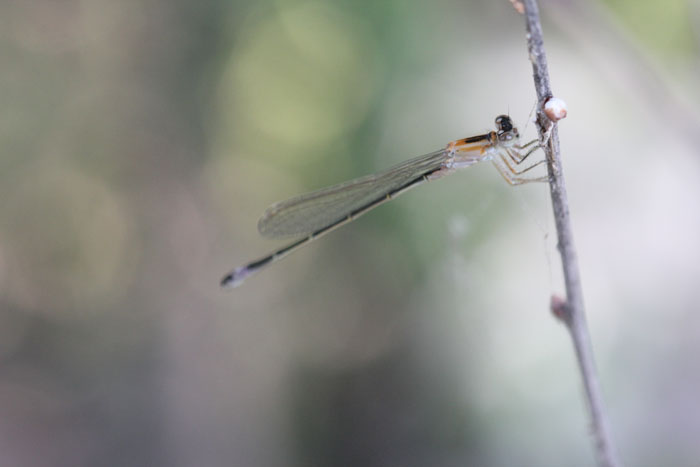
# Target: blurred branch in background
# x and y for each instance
(626, 61)
(573, 309)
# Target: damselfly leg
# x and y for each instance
(517, 155)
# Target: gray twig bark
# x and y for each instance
(572, 310)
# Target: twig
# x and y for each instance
(571, 311)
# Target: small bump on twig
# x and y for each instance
(559, 308)
(518, 5)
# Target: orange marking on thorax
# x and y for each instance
(477, 144)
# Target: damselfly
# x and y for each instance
(315, 214)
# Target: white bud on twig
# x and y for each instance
(555, 109)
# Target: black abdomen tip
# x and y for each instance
(226, 280)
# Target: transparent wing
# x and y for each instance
(310, 212)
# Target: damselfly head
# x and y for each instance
(506, 131)
(503, 123)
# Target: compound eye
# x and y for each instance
(504, 123)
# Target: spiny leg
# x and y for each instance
(520, 172)
(526, 145)
(518, 148)
(515, 152)
(509, 175)
(514, 173)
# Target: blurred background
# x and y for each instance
(142, 140)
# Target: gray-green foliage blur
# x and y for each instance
(140, 141)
